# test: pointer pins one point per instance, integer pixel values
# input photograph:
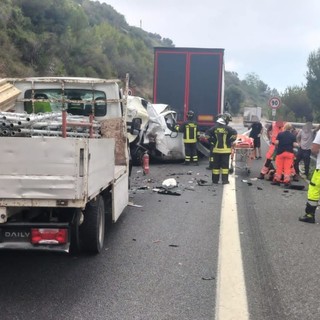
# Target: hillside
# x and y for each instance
(89, 38)
(74, 37)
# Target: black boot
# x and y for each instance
(308, 217)
(261, 176)
(215, 178)
(225, 178)
(310, 212)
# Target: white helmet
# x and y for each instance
(221, 121)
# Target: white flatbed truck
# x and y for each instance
(63, 171)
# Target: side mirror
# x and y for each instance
(135, 126)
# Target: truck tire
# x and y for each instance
(92, 230)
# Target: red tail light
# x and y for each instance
(49, 236)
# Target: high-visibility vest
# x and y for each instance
(221, 137)
(189, 130)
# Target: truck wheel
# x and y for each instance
(93, 227)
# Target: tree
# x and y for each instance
(234, 97)
(296, 100)
(313, 81)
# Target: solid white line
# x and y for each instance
(231, 297)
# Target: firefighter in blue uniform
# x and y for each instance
(221, 136)
(190, 136)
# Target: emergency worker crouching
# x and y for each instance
(221, 136)
(190, 137)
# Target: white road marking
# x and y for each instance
(231, 297)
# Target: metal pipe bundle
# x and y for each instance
(46, 124)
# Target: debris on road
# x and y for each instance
(131, 204)
(169, 183)
(143, 188)
(169, 192)
(191, 188)
(208, 278)
(296, 187)
(203, 182)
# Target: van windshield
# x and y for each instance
(75, 101)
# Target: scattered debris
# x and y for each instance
(169, 183)
(203, 182)
(134, 239)
(259, 188)
(169, 192)
(131, 204)
(173, 245)
(208, 278)
(143, 188)
(296, 187)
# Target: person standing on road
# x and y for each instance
(221, 137)
(190, 136)
(255, 134)
(314, 185)
(285, 142)
(272, 133)
(305, 138)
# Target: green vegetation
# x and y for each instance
(89, 38)
(74, 38)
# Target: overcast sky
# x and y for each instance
(271, 38)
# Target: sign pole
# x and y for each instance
(274, 103)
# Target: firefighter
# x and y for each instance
(272, 133)
(314, 185)
(221, 137)
(190, 137)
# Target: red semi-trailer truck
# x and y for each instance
(190, 79)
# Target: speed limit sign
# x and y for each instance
(274, 103)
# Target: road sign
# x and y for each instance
(274, 103)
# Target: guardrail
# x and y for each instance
(295, 124)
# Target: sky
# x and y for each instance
(270, 38)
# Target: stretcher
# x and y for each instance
(242, 153)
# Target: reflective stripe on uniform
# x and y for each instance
(314, 189)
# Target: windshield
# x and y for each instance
(76, 101)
